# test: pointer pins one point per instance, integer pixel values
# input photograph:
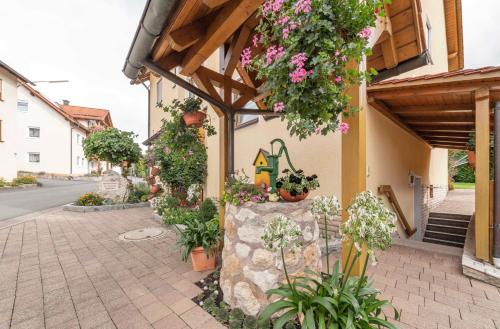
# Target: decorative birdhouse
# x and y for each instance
(262, 178)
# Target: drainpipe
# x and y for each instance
(496, 220)
(71, 151)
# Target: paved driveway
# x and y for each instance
(53, 193)
(66, 270)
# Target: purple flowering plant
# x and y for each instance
(239, 190)
(302, 49)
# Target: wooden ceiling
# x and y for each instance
(438, 109)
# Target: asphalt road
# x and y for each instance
(53, 193)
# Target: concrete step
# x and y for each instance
(444, 242)
(447, 229)
(448, 222)
(445, 236)
(450, 216)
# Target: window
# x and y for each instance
(78, 139)
(1, 90)
(1, 140)
(34, 132)
(159, 90)
(34, 157)
(22, 105)
(243, 120)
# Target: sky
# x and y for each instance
(86, 42)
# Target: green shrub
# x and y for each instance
(90, 199)
(464, 174)
(164, 203)
(208, 210)
(139, 193)
(3, 182)
(222, 315)
(250, 322)
(24, 180)
(179, 215)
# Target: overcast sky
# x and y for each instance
(86, 41)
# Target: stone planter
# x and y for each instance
(75, 208)
(248, 268)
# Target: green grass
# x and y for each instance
(464, 186)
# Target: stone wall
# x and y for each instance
(248, 268)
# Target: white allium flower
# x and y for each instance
(205, 288)
(216, 292)
(369, 223)
(201, 303)
(283, 233)
(202, 281)
(328, 206)
(215, 282)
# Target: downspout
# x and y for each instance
(149, 108)
(496, 196)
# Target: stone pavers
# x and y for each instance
(68, 270)
(458, 202)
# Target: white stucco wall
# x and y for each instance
(8, 105)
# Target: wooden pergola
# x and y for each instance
(198, 28)
(442, 110)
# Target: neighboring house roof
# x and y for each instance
(17, 74)
(88, 113)
(153, 137)
(56, 108)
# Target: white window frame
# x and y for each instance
(159, 90)
(23, 102)
(34, 153)
(1, 90)
(29, 132)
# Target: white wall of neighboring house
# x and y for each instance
(53, 144)
(8, 102)
(80, 165)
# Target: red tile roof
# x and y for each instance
(483, 70)
(88, 113)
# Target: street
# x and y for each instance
(53, 193)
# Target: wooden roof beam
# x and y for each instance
(388, 44)
(229, 19)
(233, 55)
(219, 79)
(432, 108)
(430, 134)
(214, 3)
(447, 146)
(187, 35)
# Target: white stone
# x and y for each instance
(245, 299)
(242, 250)
(265, 280)
(251, 233)
(245, 214)
(114, 187)
(262, 258)
(308, 235)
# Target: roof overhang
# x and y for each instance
(454, 34)
(437, 109)
(15, 73)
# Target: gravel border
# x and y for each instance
(19, 187)
(74, 208)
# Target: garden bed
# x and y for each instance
(212, 301)
(75, 208)
(19, 187)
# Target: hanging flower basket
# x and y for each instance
(155, 189)
(151, 180)
(471, 155)
(285, 195)
(194, 119)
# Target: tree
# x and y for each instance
(114, 146)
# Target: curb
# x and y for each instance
(73, 208)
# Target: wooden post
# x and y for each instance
(223, 156)
(482, 174)
(353, 165)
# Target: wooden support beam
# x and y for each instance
(452, 147)
(438, 120)
(461, 135)
(353, 165)
(218, 81)
(187, 35)
(469, 115)
(482, 219)
(431, 108)
(419, 91)
(233, 55)
(214, 3)
(386, 111)
(227, 21)
(249, 81)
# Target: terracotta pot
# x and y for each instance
(151, 180)
(194, 118)
(155, 171)
(472, 158)
(200, 260)
(285, 195)
(155, 189)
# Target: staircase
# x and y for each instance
(447, 229)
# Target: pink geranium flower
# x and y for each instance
(246, 57)
(302, 6)
(338, 79)
(274, 53)
(298, 75)
(299, 59)
(365, 33)
(344, 128)
(279, 107)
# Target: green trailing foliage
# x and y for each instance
(139, 193)
(199, 234)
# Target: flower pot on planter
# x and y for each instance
(194, 118)
(285, 195)
(155, 188)
(155, 171)
(200, 260)
(472, 158)
(151, 180)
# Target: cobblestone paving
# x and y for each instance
(458, 202)
(68, 270)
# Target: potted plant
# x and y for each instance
(155, 188)
(295, 186)
(200, 241)
(192, 115)
(238, 190)
(155, 171)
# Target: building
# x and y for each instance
(39, 136)
(400, 138)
